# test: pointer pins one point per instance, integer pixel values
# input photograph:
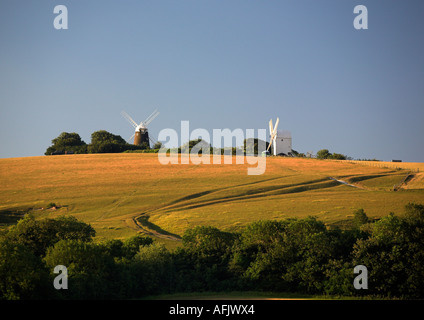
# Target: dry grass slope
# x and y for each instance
(122, 194)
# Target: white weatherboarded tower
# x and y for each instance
(283, 143)
(281, 140)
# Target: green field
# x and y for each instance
(123, 194)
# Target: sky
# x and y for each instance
(218, 64)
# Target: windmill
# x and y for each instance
(141, 134)
(273, 133)
(281, 140)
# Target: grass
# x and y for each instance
(123, 194)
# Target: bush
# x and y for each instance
(133, 244)
(337, 156)
(22, 274)
(287, 255)
(359, 218)
(325, 154)
(38, 235)
(67, 142)
(394, 254)
(90, 269)
(205, 255)
(153, 270)
(51, 205)
(195, 146)
(106, 142)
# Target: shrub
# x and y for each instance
(394, 255)
(359, 218)
(90, 270)
(38, 235)
(67, 142)
(22, 274)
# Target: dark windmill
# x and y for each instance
(141, 134)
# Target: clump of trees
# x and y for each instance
(292, 255)
(102, 141)
(325, 154)
(199, 146)
(67, 142)
(106, 142)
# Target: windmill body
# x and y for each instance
(283, 143)
(141, 134)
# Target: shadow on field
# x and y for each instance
(11, 216)
(150, 228)
(244, 194)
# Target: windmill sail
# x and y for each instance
(273, 133)
(130, 120)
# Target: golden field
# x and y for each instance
(122, 194)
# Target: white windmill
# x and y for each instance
(281, 140)
(141, 134)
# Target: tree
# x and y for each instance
(157, 145)
(132, 245)
(22, 274)
(359, 218)
(196, 146)
(91, 271)
(67, 142)
(251, 145)
(393, 254)
(288, 255)
(153, 269)
(337, 156)
(414, 213)
(252, 254)
(323, 154)
(208, 243)
(38, 235)
(106, 142)
(203, 260)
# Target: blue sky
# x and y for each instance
(219, 64)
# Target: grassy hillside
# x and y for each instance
(122, 194)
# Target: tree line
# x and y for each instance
(105, 142)
(102, 141)
(291, 255)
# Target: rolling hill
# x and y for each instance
(122, 194)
